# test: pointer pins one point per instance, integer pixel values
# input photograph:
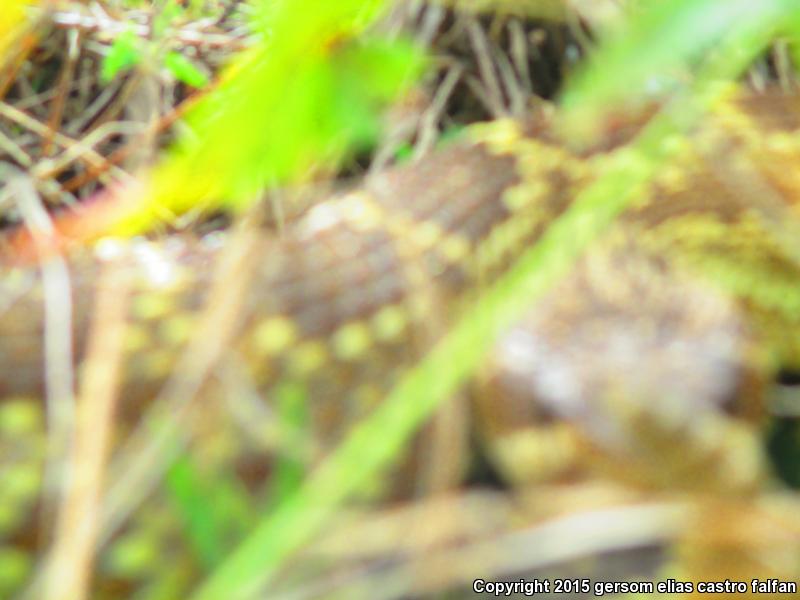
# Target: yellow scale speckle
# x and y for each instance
(426, 234)
(389, 323)
(419, 306)
(413, 237)
(455, 248)
(351, 341)
(672, 178)
(495, 245)
(739, 123)
(502, 239)
(501, 136)
(307, 357)
(522, 196)
(274, 335)
(535, 158)
(403, 232)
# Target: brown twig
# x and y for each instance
(74, 548)
(108, 27)
(121, 153)
(87, 154)
(57, 111)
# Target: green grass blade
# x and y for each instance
(658, 49)
(214, 510)
(294, 418)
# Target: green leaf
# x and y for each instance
(124, 54)
(404, 153)
(294, 417)
(792, 26)
(214, 509)
(305, 95)
(184, 70)
(166, 17)
(378, 67)
(271, 120)
(658, 48)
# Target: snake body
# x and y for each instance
(690, 301)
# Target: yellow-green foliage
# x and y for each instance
(308, 92)
(12, 17)
(663, 48)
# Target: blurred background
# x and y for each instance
(611, 399)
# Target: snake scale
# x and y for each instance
(655, 351)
